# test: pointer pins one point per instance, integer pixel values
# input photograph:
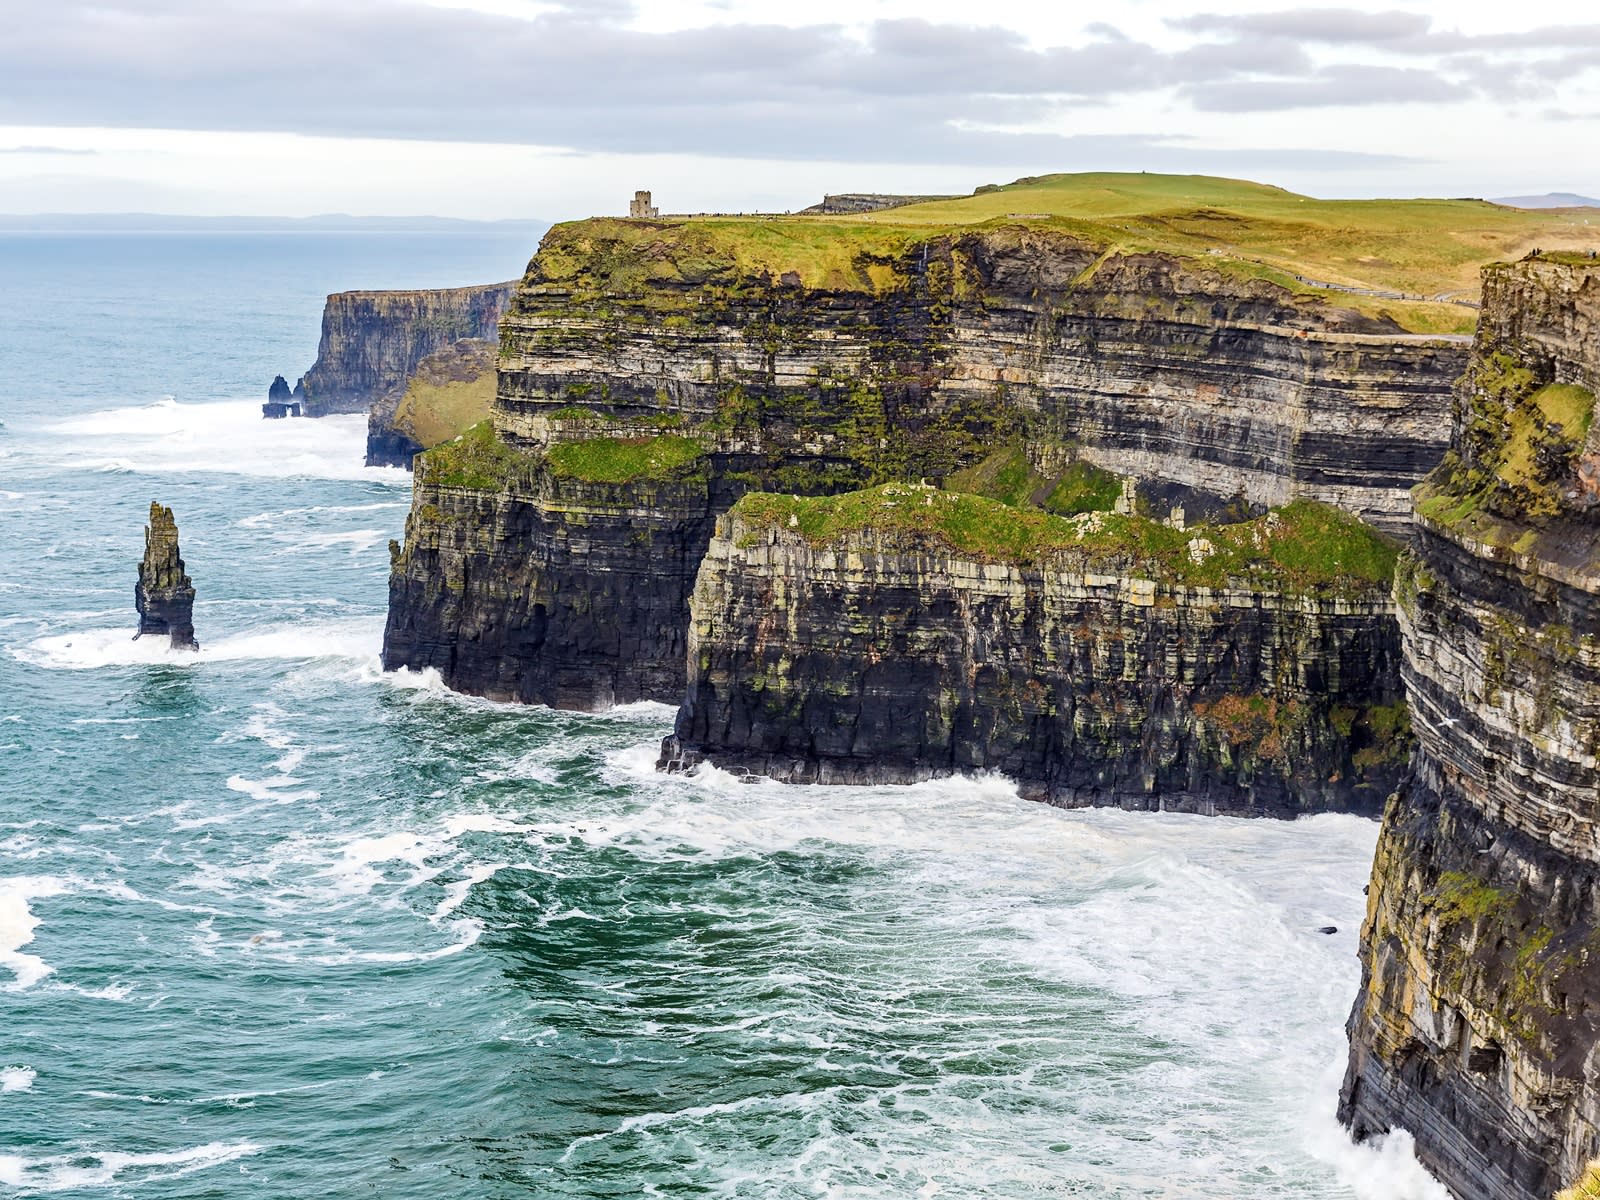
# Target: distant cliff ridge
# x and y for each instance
(373, 341)
(862, 202)
(1478, 1023)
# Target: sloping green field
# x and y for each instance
(1428, 247)
(1431, 249)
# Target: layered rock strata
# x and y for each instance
(373, 341)
(1196, 677)
(859, 355)
(164, 595)
(1478, 1022)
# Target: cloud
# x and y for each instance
(45, 150)
(1338, 26)
(578, 77)
(1331, 88)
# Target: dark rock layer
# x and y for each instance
(878, 659)
(1478, 1023)
(164, 596)
(555, 591)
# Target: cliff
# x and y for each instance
(164, 596)
(651, 372)
(450, 391)
(373, 341)
(1478, 1022)
(908, 632)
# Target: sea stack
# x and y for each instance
(164, 596)
(280, 400)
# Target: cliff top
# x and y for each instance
(1523, 470)
(1303, 547)
(1409, 258)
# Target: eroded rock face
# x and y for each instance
(551, 590)
(448, 392)
(911, 366)
(1478, 1022)
(1147, 366)
(164, 596)
(373, 341)
(880, 658)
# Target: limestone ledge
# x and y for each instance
(874, 662)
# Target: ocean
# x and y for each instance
(276, 924)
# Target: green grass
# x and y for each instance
(1008, 476)
(623, 460)
(1302, 547)
(1247, 230)
(1424, 246)
(1084, 488)
(1520, 443)
(436, 412)
(1587, 1186)
(1458, 896)
(476, 459)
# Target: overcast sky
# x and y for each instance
(531, 108)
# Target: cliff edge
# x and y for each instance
(1478, 1022)
(1105, 659)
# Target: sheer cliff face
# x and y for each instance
(1174, 372)
(868, 362)
(373, 341)
(877, 657)
(1478, 1023)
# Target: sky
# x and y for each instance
(554, 109)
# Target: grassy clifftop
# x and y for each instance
(1303, 547)
(1427, 248)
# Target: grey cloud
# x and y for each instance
(1328, 25)
(1332, 88)
(46, 150)
(578, 79)
(1394, 32)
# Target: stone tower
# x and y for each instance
(641, 206)
(164, 596)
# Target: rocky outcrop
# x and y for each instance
(280, 400)
(1107, 662)
(373, 341)
(164, 596)
(1478, 1022)
(450, 391)
(853, 356)
(520, 579)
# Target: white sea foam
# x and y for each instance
(90, 649)
(17, 923)
(226, 436)
(267, 520)
(110, 1168)
(17, 1079)
(1144, 909)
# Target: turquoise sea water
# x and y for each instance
(274, 924)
